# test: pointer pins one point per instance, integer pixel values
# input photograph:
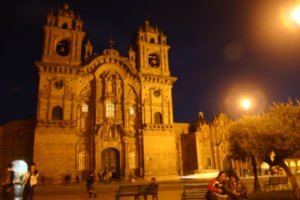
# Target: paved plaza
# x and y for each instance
(168, 190)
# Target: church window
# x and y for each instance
(110, 109)
(64, 26)
(152, 40)
(85, 108)
(59, 84)
(57, 113)
(153, 60)
(62, 48)
(131, 111)
(157, 118)
(83, 160)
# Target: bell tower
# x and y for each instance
(151, 48)
(63, 37)
(152, 63)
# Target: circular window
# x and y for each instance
(63, 47)
(59, 84)
(157, 93)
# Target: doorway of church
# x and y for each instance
(110, 158)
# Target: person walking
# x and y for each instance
(29, 182)
(90, 186)
(7, 183)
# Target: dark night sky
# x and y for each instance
(219, 50)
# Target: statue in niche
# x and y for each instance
(132, 160)
(99, 89)
(109, 132)
(119, 88)
(110, 82)
(131, 123)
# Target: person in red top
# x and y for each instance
(216, 186)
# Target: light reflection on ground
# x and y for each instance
(203, 174)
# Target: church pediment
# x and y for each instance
(111, 59)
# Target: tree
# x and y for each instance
(276, 130)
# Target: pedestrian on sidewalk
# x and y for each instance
(90, 186)
(29, 182)
(7, 183)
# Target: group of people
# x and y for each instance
(230, 188)
(106, 175)
(28, 182)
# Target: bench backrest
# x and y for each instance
(128, 189)
(138, 189)
(149, 189)
(194, 191)
(283, 180)
(278, 180)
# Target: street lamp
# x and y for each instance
(246, 104)
(295, 15)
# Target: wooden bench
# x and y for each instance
(194, 191)
(137, 190)
(276, 182)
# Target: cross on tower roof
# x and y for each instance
(110, 43)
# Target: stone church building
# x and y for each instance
(108, 111)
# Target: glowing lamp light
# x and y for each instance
(245, 103)
(295, 15)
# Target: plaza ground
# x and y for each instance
(168, 190)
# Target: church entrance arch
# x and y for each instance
(110, 159)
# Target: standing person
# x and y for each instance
(216, 187)
(90, 184)
(29, 182)
(235, 188)
(8, 183)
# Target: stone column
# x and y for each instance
(141, 154)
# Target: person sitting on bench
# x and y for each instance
(216, 186)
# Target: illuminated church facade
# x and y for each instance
(104, 111)
(107, 111)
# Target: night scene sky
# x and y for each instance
(221, 50)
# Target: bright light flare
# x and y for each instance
(290, 16)
(246, 103)
(295, 15)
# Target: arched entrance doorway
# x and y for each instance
(110, 159)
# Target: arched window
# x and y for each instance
(64, 26)
(110, 109)
(157, 118)
(152, 40)
(83, 161)
(57, 113)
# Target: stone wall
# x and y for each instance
(16, 142)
